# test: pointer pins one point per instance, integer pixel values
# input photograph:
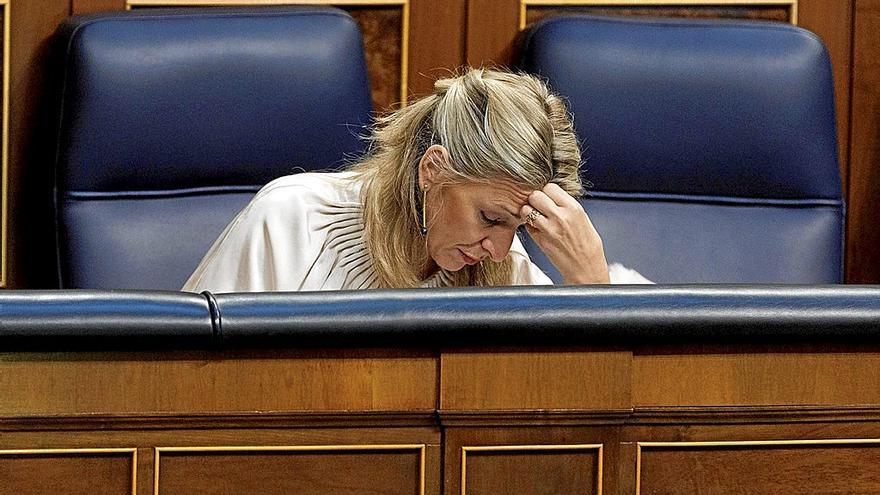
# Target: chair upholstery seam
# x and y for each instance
(216, 320)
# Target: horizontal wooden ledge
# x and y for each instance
(535, 417)
(446, 418)
(752, 414)
(308, 419)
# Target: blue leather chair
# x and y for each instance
(711, 146)
(171, 120)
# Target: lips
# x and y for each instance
(469, 260)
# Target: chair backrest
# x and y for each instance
(171, 120)
(710, 145)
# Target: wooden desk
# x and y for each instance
(649, 420)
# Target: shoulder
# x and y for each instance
(310, 187)
(301, 193)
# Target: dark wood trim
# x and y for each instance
(315, 419)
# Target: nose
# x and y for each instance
(497, 244)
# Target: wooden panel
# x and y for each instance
(126, 433)
(89, 6)
(31, 260)
(754, 12)
(810, 467)
(382, 29)
(756, 379)
(154, 383)
(492, 26)
(863, 234)
(308, 470)
(552, 380)
(436, 42)
(531, 460)
(86, 473)
(533, 469)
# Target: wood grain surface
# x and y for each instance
(436, 42)
(69, 473)
(526, 380)
(328, 472)
(524, 466)
(62, 384)
(736, 468)
(756, 379)
(863, 234)
(148, 439)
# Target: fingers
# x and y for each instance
(533, 217)
(543, 203)
(559, 196)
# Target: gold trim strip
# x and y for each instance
(4, 148)
(741, 443)
(531, 448)
(233, 3)
(293, 448)
(132, 451)
(404, 28)
(404, 54)
(524, 4)
(738, 443)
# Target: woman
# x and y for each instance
(436, 202)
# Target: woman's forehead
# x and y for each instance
(504, 191)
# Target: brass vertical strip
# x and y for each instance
(156, 451)
(638, 469)
(463, 470)
(4, 148)
(134, 472)
(422, 470)
(404, 55)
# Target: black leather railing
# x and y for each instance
(612, 315)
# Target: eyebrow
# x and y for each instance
(509, 212)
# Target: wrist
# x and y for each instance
(593, 272)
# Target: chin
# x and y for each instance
(451, 265)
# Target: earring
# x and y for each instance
(424, 226)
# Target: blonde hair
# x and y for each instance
(496, 125)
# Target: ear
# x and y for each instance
(432, 165)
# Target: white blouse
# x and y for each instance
(305, 232)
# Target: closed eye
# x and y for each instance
(489, 221)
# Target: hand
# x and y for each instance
(566, 235)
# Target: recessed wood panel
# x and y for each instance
(778, 467)
(532, 469)
(752, 12)
(157, 383)
(863, 234)
(756, 379)
(552, 380)
(88, 473)
(382, 29)
(303, 471)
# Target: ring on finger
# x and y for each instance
(532, 216)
